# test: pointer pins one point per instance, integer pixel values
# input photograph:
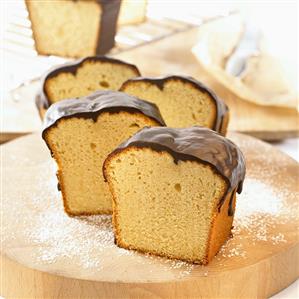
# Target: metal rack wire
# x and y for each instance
(18, 43)
(18, 48)
(18, 35)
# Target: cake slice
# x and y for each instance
(80, 133)
(174, 191)
(81, 78)
(183, 101)
(73, 28)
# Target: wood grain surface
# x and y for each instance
(269, 263)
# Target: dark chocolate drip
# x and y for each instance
(195, 144)
(222, 108)
(58, 184)
(100, 101)
(108, 25)
(42, 100)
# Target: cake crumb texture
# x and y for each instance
(80, 146)
(91, 75)
(65, 28)
(165, 208)
(183, 101)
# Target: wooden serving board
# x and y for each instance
(260, 259)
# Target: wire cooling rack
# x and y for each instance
(18, 37)
(17, 44)
(22, 63)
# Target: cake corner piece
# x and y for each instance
(80, 133)
(171, 197)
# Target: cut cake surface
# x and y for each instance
(174, 191)
(80, 133)
(183, 101)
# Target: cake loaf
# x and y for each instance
(183, 101)
(73, 28)
(81, 78)
(80, 133)
(174, 191)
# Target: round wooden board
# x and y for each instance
(260, 260)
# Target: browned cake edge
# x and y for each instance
(221, 226)
(222, 111)
(107, 27)
(43, 102)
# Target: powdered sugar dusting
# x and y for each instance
(261, 209)
(261, 212)
(80, 246)
(37, 232)
(258, 197)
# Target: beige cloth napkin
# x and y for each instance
(265, 81)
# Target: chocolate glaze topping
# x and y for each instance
(100, 101)
(42, 100)
(195, 144)
(108, 25)
(221, 107)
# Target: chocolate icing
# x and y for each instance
(100, 101)
(42, 100)
(195, 144)
(221, 107)
(108, 25)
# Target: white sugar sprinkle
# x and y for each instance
(86, 244)
(257, 197)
